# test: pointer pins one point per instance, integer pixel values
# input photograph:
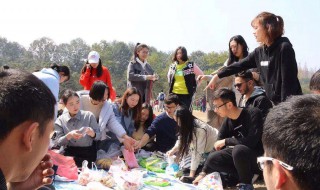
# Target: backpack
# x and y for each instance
(161, 97)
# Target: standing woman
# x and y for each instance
(93, 71)
(140, 74)
(182, 76)
(127, 109)
(196, 140)
(274, 59)
(52, 77)
(238, 49)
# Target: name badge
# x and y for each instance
(264, 63)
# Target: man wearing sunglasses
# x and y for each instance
(239, 140)
(291, 143)
(251, 95)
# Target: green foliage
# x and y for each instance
(115, 55)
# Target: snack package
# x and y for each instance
(157, 181)
(130, 158)
(129, 180)
(211, 182)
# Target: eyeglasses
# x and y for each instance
(217, 107)
(238, 85)
(262, 163)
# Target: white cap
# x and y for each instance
(93, 57)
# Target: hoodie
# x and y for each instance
(51, 78)
(257, 99)
(277, 66)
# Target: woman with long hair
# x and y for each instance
(238, 49)
(196, 140)
(140, 73)
(93, 70)
(274, 59)
(146, 118)
(182, 76)
(127, 109)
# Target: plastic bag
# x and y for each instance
(172, 167)
(66, 165)
(211, 182)
(86, 175)
(117, 166)
(143, 154)
(130, 180)
(113, 152)
(157, 181)
(130, 158)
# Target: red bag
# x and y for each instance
(130, 158)
(66, 165)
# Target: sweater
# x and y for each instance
(165, 129)
(203, 142)
(245, 130)
(107, 120)
(90, 76)
(277, 66)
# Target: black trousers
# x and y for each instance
(185, 99)
(82, 153)
(239, 161)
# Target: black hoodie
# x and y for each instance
(278, 69)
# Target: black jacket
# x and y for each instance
(258, 99)
(189, 77)
(278, 69)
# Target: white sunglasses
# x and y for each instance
(262, 160)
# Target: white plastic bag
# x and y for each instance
(211, 182)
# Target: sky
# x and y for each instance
(205, 25)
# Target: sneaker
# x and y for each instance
(243, 186)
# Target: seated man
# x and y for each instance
(291, 142)
(239, 140)
(163, 127)
(315, 83)
(26, 124)
(97, 102)
(251, 95)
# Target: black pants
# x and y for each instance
(239, 161)
(185, 99)
(82, 153)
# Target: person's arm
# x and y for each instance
(144, 140)
(85, 77)
(108, 81)
(197, 70)
(175, 148)
(289, 72)
(134, 76)
(255, 125)
(60, 136)
(95, 127)
(196, 154)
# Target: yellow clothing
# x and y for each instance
(179, 86)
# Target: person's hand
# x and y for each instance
(151, 77)
(170, 152)
(75, 134)
(219, 144)
(202, 77)
(137, 145)
(90, 132)
(88, 65)
(129, 143)
(39, 177)
(212, 82)
(198, 178)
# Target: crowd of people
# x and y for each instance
(263, 120)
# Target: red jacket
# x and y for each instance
(86, 80)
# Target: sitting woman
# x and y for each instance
(196, 140)
(76, 129)
(145, 121)
(127, 109)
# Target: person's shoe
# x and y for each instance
(243, 186)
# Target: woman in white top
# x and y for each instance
(196, 139)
